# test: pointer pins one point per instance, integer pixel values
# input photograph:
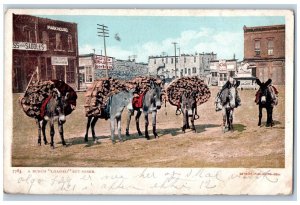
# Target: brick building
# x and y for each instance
(47, 46)
(264, 50)
(186, 65)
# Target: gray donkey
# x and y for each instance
(151, 103)
(113, 110)
(52, 110)
(188, 107)
(227, 99)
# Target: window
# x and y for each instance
(166, 60)
(70, 43)
(185, 59)
(88, 74)
(194, 59)
(176, 60)
(29, 34)
(58, 42)
(171, 60)
(45, 39)
(162, 60)
(257, 47)
(194, 70)
(214, 74)
(154, 61)
(231, 73)
(189, 71)
(185, 70)
(270, 47)
(223, 77)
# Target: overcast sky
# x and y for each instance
(146, 36)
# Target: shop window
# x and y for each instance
(88, 74)
(71, 71)
(270, 47)
(70, 43)
(49, 69)
(257, 47)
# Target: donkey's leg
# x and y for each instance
(52, 132)
(259, 115)
(119, 128)
(137, 122)
(271, 117)
(44, 123)
(193, 121)
(154, 124)
(129, 113)
(39, 131)
(112, 128)
(231, 119)
(146, 125)
(184, 120)
(87, 129)
(93, 123)
(61, 133)
(224, 119)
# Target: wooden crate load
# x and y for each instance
(187, 84)
(39, 91)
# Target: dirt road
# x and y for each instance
(248, 146)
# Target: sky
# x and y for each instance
(145, 36)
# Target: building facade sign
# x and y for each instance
(222, 65)
(29, 46)
(55, 60)
(55, 28)
(100, 62)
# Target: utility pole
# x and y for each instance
(103, 32)
(175, 58)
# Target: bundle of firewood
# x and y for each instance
(34, 96)
(187, 84)
(98, 93)
(38, 91)
(142, 83)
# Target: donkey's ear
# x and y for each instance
(268, 82)
(258, 82)
(237, 84)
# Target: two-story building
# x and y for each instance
(221, 70)
(45, 48)
(184, 65)
(264, 50)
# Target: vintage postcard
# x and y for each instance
(148, 101)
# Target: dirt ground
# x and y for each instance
(247, 146)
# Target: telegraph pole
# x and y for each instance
(175, 58)
(103, 32)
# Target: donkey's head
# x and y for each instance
(125, 98)
(232, 92)
(188, 102)
(264, 91)
(57, 105)
(155, 94)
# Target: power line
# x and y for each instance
(103, 32)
